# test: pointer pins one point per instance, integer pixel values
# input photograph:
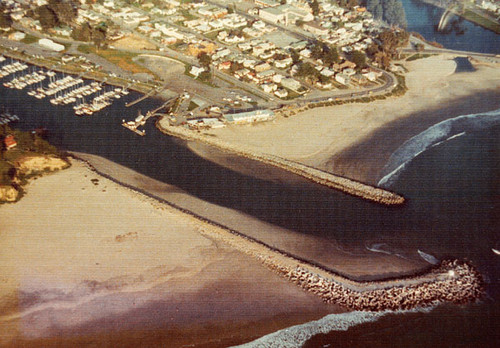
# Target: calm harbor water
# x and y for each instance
(459, 34)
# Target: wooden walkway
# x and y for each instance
(147, 95)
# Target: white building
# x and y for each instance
(51, 45)
(250, 116)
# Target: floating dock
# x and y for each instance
(133, 127)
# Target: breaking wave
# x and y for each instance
(433, 136)
(296, 336)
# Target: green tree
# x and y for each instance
(48, 18)
(317, 50)
(205, 76)
(331, 56)
(205, 60)
(375, 7)
(314, 7)
(307, 70)
(65, 10)
(295, 56)
(82, 33)
(99, 36)
(5, 20)
(358, 58)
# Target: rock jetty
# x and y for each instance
(451, 281)
(345, 185)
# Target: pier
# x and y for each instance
(147, 95)
(140, 120)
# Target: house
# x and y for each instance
(265, 75)
(267, 3)
(262, 66)
(281, 93)
(250, 116)
(17, 36)
(277, 78)
(224, 65)
(291, 84)
(51, 45)
(10, 142)
(169, 40)
(269, 87)
(349, 71)
(173, 3)
(327, 72)
(196, 71)
(273, 15)
(315, 28)
(283, 63)
(306, 53)
(342, 79)
(211, 122)
(242, 73)
(212, 11)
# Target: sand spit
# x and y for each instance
(452, 281)
(345, 185)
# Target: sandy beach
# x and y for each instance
(82, 256)
(356, 140)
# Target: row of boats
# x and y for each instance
(61, 90)
(12, 68)
(6, 118)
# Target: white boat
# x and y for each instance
(495, 251)
(427, 257)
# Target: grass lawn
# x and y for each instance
(29, 39)
(122, 59)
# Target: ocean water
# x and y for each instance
(454, 199)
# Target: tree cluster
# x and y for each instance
(391, 11)
(327, 54)
(57, 12)
(387, 47)
(205, 60)
(87, 33)
(5, 20)
(307, 71)
(358, 58)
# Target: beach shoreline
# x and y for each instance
(356, 140)
(128, 253)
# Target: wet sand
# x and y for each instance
(359, 264)
(87, 261)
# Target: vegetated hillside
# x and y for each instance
(32, 156)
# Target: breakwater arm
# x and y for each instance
(339, 183)
(451, 281)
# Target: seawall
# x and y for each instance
(339, 183)
(434, 135)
